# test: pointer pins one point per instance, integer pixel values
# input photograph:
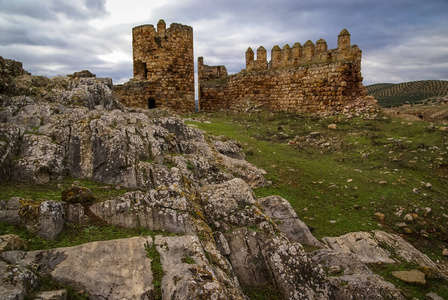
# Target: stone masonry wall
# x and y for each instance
(163, 65)
(305, 79)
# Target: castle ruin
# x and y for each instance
(163, 67)
(308, 78)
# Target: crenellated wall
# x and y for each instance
(163, 67)
(308, 78)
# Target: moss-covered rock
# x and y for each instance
(78, 194)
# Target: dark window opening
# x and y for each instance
(141, 71)
(151, 103)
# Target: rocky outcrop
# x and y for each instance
(189, 274)
(193, 187)
(163, 209)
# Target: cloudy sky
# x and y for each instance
(402, 40)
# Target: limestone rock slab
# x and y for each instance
(413, 276)
(378, 247)
(355, 280)
(116, 269)
(363, 245)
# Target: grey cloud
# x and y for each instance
(405, 34)
(30, 9)
(47, 10)
(79, 10)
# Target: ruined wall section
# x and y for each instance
(307, 78)
(163, 67)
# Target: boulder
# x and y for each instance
(413, 276)
(284, 216)
(228, 147)
(11, 242)
(445, 252)
(77, 194)
(433, 296)
(46, 219)
(75, 214)
(9, 69)
(9, 211)
(362, 245)
(244, 170)
(16, 282)
(231, 204)
(51, 219)
(82, 74)
(52, 295)
(81, 130)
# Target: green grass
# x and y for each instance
(377, 167)
(411, 291)
(73, 235)
(266, 292)
(188, 260)
(157, 271)
(53, 189)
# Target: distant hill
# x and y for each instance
(391, 94)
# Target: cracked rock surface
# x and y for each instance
(196, 189)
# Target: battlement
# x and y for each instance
(308, 78)
(149, 29)
(299, 55)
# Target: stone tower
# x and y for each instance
(163, 67)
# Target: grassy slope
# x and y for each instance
(377, 167)
(382, 166)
